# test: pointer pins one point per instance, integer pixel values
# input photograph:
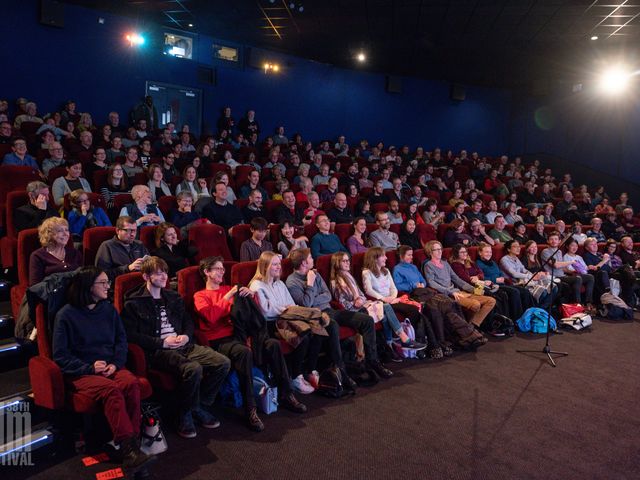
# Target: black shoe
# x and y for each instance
(348, 382)
(393, 354)
(421, 355)
(380, 369)
(413, 345)
(253, 420)
(142, 474)
(436, 353)
(447, 351)
(133, 460)
(290, 402)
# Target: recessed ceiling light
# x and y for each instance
(594, 37)
(361, 57)
(191, 24)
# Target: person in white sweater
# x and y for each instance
(273, 298)
(378, 284)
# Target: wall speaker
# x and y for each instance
(52, 13)
(393, 84)
(457, 92)
(206, 75)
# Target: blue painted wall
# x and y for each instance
(592, 130)
(92, 64)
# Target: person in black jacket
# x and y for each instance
(289, 212)
(90, 347)
(177, 253)
(37, 210)
(123, 253)
(156, 319)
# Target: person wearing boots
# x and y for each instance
(90, 347)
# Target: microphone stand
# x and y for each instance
(547, 346)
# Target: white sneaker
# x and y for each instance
(300, 385)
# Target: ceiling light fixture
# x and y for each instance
(594, 37)
(361, 57)
(191, 25)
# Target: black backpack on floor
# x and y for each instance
(330, 383)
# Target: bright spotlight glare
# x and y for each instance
(614, 81)
(361, 57)
(135, 39)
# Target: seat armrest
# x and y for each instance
(136, 361)
(47, 383)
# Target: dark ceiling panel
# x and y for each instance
(460, 40)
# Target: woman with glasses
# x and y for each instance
(116, 184)
(90, 347)
(83, 215)
(55, 255)
(441, 277)
(99, 164)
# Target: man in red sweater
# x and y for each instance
(213, 305)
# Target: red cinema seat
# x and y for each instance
(9, 242)
(91, 241)
(166, 204)
(239, 234)
(47, 381)
(211, 240)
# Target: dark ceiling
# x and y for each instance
(506, 43)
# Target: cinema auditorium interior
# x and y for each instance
(319, 239)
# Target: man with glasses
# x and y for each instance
(56, 158)
(144, 212)
(156, 319)
(123, 253)
(383, 237)
(19, 156)
(168, 168)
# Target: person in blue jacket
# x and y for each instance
(83, 215)
(324, 242)
(408, 279)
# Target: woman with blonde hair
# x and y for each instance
(55, 255)
(378, 284)
(346, 291)
(273, 298)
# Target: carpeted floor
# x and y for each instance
(494, 414)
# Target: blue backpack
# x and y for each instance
(535, 320)
(229, 394)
